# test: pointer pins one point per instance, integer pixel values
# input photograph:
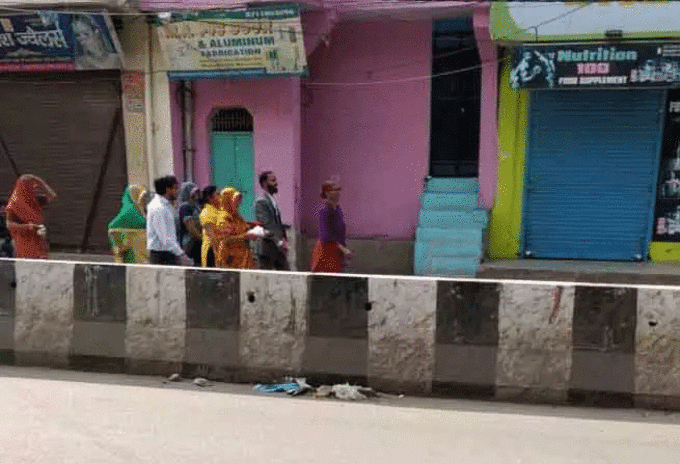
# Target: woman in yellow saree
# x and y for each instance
(210, 216)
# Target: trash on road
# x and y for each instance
(175, 378)
(299, 386)
(201, 382)
(293, 387)
(346, 391)
(324, 391)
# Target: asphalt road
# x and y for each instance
(55, 417)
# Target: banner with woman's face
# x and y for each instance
(50, 41)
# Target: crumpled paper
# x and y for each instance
(257, 232)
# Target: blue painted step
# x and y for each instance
(425, 262)
(453, 219)
(451, 250)
(452, 267)
(437, 201)
(449, 237)
(458, 234)
(452, 185)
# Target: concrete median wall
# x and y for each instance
(543, 342)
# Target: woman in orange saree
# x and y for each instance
(25, 218)
(234, 249)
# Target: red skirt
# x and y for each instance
(29, 245)
(327, 258)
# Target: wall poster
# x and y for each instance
(51, 41)
(595, 65)
(667, 212)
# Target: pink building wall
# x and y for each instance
(275, 107)
(488, 126)
(375, 137)
(357, 123)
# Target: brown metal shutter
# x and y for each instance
(57, 126)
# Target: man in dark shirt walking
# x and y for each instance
(271, 250)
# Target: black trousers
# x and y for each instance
(166, 258)
(279, 262)
(194, 252)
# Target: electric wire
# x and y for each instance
(322, 84)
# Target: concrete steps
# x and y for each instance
(449, 238)
(452, 185)
(438, 201)
(453, 219)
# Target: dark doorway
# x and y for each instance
(454, 133)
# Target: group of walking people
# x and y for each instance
(185, 225)
(207, 228)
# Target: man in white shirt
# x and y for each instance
(161, 231)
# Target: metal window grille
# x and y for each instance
(232, 120)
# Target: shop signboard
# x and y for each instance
(51, 41)
(261, 41)
(595, 65)
(667, 212)
(563, 21)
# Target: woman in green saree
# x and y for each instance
(127, 231)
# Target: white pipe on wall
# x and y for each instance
(188, 107)
(148, 77)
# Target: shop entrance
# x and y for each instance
(67, 129)
(592, 163)
(232, 155)
(454, 133)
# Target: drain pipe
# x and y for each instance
(187, 103)
(148, 96)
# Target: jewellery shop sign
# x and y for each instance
(50, 41)
(593, 65)
(259, 41)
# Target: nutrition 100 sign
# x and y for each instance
(595, 65)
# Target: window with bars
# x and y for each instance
(232, 120)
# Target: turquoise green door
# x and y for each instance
(232, 166)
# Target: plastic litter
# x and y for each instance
(200, 382)
(303, 387)
(283, 387)
(347, 392)
(299, 386)
(324, 391)
(293, 387)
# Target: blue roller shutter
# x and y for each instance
(591, 170)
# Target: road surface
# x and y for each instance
(56, 417)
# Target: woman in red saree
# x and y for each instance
(330, 250)
(25, 218)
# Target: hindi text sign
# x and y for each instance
(254, 41)
(50, 41)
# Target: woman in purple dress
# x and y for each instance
(330, 250)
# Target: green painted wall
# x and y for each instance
(505, 227)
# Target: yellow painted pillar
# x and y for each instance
(505, 226)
